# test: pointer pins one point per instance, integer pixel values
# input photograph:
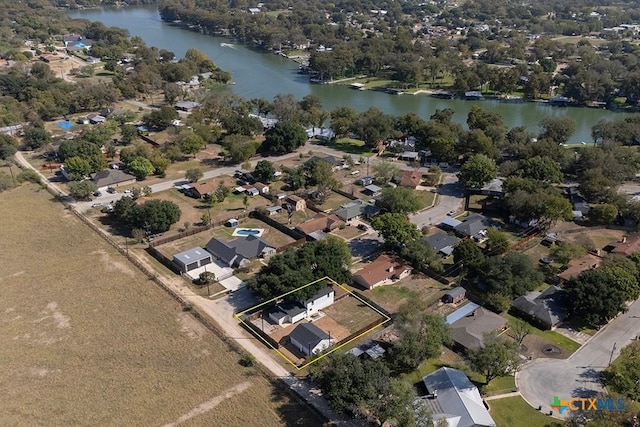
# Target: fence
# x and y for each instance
(345, 194)
(361, 331)
(295, 244)
(149, 140)
(257, 331)
(196, 230)
(371, 303)
(294, 234)
(164, 260)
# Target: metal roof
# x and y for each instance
(461, 312)
(192, 255)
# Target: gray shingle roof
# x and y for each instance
(458, 397)
(356, 208)
(469, 331)
(308, 335)
(456, 292)
(547, 307)
(440, 241)
(236, 250)
(472, 225)
(110, 177)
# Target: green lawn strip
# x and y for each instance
(431, 365)
(501, 385)
(516, 412)
(551, 336)
(426, 198)
(351, 146)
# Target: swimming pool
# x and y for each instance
(65, 125)
(244, 232)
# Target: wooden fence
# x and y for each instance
(195, 230)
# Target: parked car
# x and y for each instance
(111, 190)
(97, 194)
(96, 205)
(127, 191)
(362, 227)
(452, 212)
(546, 260)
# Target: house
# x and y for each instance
(547, 308)
(368, 350)
(284, 313)
(281, 196)
(411, 179)
(372, 190)
(76, 42)
(192, 259)
(409, 156)
(186, 105)
(473, 226)
(112, 178)
(469, 331)
(320, 224)
(200, 189)
(441, 242)
(324, 298)
(92, 60)
(627, 246)
(453, 397)
(309, 339)
(251, 190)
(335, 163)
(239, 252)
(262, 188)
(383, 270)
(254, 10)
(473, 96)
(357, 209)
(274, 210)
(232, 223)
(297, 203)
(364, 181)
(95, 119)
(449, 224)
(455, 295)
(323, 134)
(493, 188)
(577, 266)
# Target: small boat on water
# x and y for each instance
(227, 45)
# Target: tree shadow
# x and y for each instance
(292, 409)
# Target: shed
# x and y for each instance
(455, 295)
(232, 222)
(372, 190)
(273, 210)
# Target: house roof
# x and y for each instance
(629, 246)
(409, 155)
(494, 186)
(110, 177)
(321, 292)
(292, 308)
(450, 223)
(192, 255)
(203, 188)
(187, 104)
(411, 179)
(234, 251)
(469, 330)
(548, 307)
(461, 312)
(441, 241)
(373, 188)
(274, 208)
(458, 397)
(260, 186)
(320, 222)
(294, 198)
(472, 225)
(365, 180)
(577, 266)
(456, 292)
(356, 208)
(382, 268)
(308, 335)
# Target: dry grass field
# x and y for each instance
(88, 340)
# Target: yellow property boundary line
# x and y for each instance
(240, 314)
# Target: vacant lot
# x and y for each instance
(93, 342)
(417, 288)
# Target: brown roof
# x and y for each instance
(579, 265)
(295, 198)
(384, 267)
(628, 246)
(411, 179)
(204, 187)
(322, 221)
(260, 186)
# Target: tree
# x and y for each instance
(385, 171)
(264, 171)
(519, 329)
(82, 190)
(477, 171)
(541, 169)
(564, 252)
(467, 253)
(206, 278)
(239, 147)
(497, 241)
(77, 167)
(623, 376)
(189, 142)
(342, 119)
(36, 137)
(396, 229)
(604, 213)
(400, 200)
(559, 130)
(162, 118)
(245, 202)
(598, 295)
(284, 137)
(496, 358)
(155, 216)
(8, 146)
(420, 254)
(193, 174)
(140, 167)
(373, 126)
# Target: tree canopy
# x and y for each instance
(396, 229)
(496, 358)
(400, 200)
(284, 137)
(153, 216)
(478, 171)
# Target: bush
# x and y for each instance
(29, 175)
(247, 360)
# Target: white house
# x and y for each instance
(288, 313)
(262, 188)
(309, 339)
(322, 299)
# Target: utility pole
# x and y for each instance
(612, 351)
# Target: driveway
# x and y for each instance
(451, 197)
(579, 375)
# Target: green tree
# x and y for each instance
(468, 253)
(497, 241)
(541, 169)
(128, 133)
(162, 118)
(36, 137)
(559, 130)
(140, 167)
(477, 171)
(396, 229)
(8, 146)
(189, 142)
(82, 190)
(284, 137)
(372, 126)
(604, 213)
(193, 174)
(623, 376)
(239, 147)
(564, 252)
(385, 171)
(420, 254)
(400, 200)
(123, 210)
(155, 216)
(77, 167)
(245, 202)
(264, 171)
(497, 358)
(518, 330)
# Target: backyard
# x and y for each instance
(417, 288)
(94, 342)
(515, 412)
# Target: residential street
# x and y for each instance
(451, 197)
(578, 376)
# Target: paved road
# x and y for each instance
(451, 197)
(579, 375)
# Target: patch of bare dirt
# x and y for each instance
(536, 347)
(113, 265)
(191, 327)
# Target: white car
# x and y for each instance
(96, 205)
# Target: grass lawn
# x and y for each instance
(515, 412)
(351, 146)
(499, 385)
(551, 336)
(416, 287)
(334, 201)
(426, 198)
(447, 358)
(348, 232)
(94, 342)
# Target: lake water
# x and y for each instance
(265, 75)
